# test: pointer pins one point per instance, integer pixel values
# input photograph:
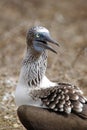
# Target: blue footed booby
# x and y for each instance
(34, 89)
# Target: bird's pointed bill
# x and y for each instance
(49, 39)
(46, 46)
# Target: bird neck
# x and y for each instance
(33, 67)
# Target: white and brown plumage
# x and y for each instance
(35, 89)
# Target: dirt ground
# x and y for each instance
(67, 22)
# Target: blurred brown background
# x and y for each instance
(67, 22)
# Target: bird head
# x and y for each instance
(38, 37)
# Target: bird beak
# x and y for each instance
(42, 43)
(50, 40)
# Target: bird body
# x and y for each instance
(35, 89)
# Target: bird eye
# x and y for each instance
(37, 35)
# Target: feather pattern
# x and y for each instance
(64, 98)
(35, 66)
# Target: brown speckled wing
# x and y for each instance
(64, 98)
